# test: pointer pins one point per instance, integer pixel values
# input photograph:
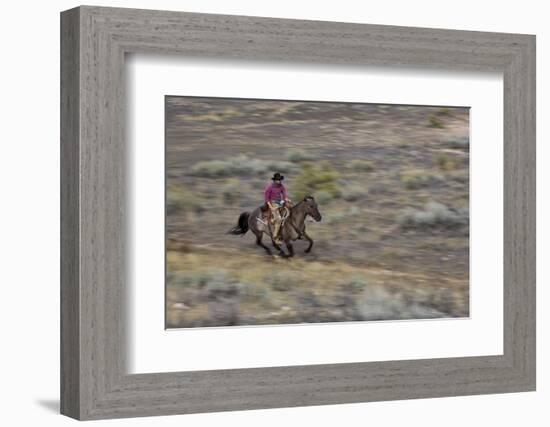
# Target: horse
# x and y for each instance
(293, 227)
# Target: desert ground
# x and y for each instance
(391, 182)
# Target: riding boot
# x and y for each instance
(276, 232)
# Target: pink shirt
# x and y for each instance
(275, 192)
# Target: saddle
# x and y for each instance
(266, 212)
(266, 217)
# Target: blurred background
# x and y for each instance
(391, 182)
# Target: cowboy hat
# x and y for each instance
(277, 177)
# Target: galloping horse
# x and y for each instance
(292, 229)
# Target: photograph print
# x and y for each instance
(291, 212)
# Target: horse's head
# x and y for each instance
(311, 208)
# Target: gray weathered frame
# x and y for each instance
(94, 41)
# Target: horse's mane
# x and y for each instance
(306, 198)
(300, 203)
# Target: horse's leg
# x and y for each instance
(310, 240)
(259, 242)
(276, 246)
(290, 248)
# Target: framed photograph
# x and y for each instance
(345, 211)
(275, 168)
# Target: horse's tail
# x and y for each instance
(242, 225)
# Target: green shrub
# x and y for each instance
(181, 200)
(314, 178)
(446, 162)
(446, 112)
(231, 191)
(357, 283)
(217, 116)
(281, 282)
(461, 176)
(201, 279)
(217, 281)
(435, 122)
(361, 165)
(210, 168)
(341, 215)
(415, 179)
(403, 144)
(270, 166)
(460, 142)
(434, 215)
(298, 155)
(323, 196)
(353, 192)
(181, 279)
(239, 165)
(253, 292)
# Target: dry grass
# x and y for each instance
(258, 290)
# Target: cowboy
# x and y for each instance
(276, 197)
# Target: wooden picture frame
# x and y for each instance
(94, 41)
